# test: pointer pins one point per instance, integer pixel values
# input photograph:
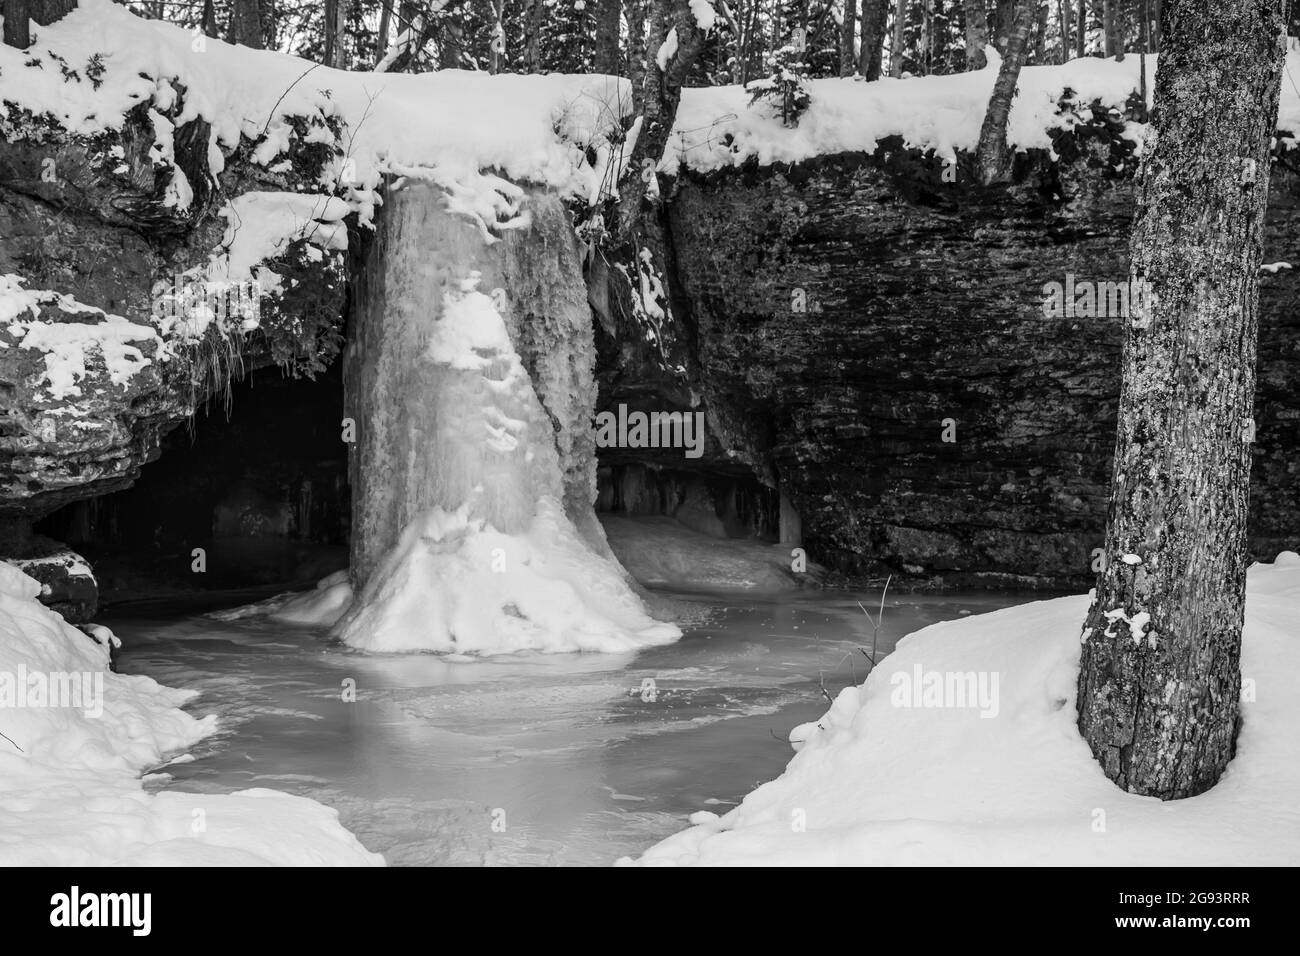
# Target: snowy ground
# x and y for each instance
(876, 783)
(70, 764)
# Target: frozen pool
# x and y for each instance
(524, 759)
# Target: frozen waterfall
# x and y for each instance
(469, 377)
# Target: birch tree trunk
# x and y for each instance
(1160, 678)
(639, 241)
(994, 155)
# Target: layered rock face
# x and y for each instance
(877, 334)
(92, 228)
(68, 234)
(99, 356)
(867, 334)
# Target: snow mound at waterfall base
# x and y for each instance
(70, 788)
(455, 584)
(875, 784)
(325, 605)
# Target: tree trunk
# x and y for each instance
(848, 61)
(451, 54)
(17, 26)
(662, 88)
(874, 15)
(994, 155)
(1160, 678)
(1004, 21)
(532, 52)
(896, 48)
(1115, 32)
(977, 33)
(340, 59)
(640, 242)
(46, 12)
(1040, 36)
(406, 14)
(1145, 37)
(608, 15)
(17, 13)
(925, 48)
(753, 47)
(246, 23)
(1064, 10)
(413, 32)
(1082, 48)
(637, 14)
(385, 20)
(331, 29)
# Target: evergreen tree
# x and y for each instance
(786, 88)
(568, 38)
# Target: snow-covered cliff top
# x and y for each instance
(92, 67)
(100, 61)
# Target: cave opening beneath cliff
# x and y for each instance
(717, 504)
(247, 496)
(700, 529)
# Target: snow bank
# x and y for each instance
(876, 783)
(70, 764)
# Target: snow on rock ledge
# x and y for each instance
(717, 128)
(875, 783)
(454, 122)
